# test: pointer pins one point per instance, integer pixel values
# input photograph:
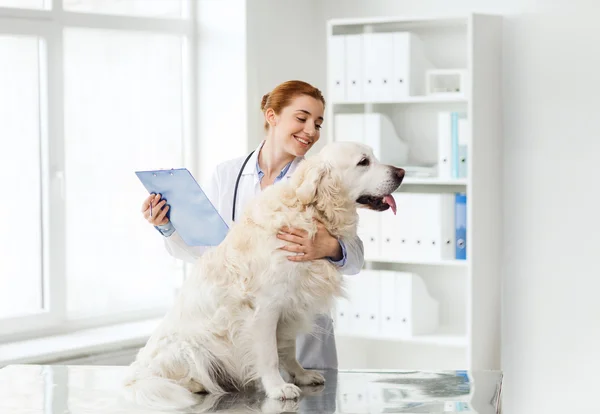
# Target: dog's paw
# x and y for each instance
(195, 387)
(280, 406)
(284, 392)
(309, 378)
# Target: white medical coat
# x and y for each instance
(316, 350)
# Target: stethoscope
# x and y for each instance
(235, 190)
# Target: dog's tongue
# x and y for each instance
(389, 199)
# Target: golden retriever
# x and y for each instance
(235, 322)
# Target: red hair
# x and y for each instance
(282, 95)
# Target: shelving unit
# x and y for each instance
(467, 291)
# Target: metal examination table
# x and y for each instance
(78, 389)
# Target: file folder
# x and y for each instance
(353, 58)
(196, 220)
(463, 145)
(445, 145)
(336, 67)
(461, 226)
(454, 117)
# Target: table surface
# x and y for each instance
(78, 389)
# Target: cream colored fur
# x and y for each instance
(236, 320)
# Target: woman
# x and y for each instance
(293, 114)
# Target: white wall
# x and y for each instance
(551, 311)
(282, 38)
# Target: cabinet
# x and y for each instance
(424, 93)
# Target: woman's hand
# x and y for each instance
(322, 245)
(159, 210)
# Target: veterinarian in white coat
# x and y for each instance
(293, 115)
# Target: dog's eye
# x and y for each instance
(364, 162)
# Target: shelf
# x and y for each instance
(434, 181)
(445, 336)
(434, 21)
(457, 263)
(412, 99)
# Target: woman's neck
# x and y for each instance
(272, 159)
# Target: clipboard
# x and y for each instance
(196, 220)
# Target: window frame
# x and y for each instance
(48, 24)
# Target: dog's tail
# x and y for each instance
(150, 386)
(160, 393)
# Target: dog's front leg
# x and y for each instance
(267, 359)
(301, 376)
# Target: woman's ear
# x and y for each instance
(271, 117)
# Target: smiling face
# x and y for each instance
(298, 126)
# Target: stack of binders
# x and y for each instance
(387, 304)
(453, 145)
(376, 67)
(427, 228)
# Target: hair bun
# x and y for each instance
(263, 103)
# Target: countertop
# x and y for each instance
(79, 389)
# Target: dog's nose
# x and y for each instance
(399, 172)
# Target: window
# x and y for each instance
(131, 86)
(21, 270)
(24, 4)
(85, 103)
(148, 8)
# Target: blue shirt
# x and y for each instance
(168, 229)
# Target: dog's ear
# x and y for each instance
(311, 175)
(318, 184)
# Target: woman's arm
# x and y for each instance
(180, 250)
(354, 258)
(350, 252)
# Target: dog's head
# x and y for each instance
(348, 171)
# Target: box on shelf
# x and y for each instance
(445, 82)
(375, 130)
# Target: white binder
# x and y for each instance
(407, 308)
(463, 147)
(444, 145)
(401, 66)
(397, 231)
(354, 67)
(359, 314)
(367, 300)
(369, 231)
(437, 223)
(390, 324)
(337, 68)
(378, 61)
(410, 66)
(343, 315)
